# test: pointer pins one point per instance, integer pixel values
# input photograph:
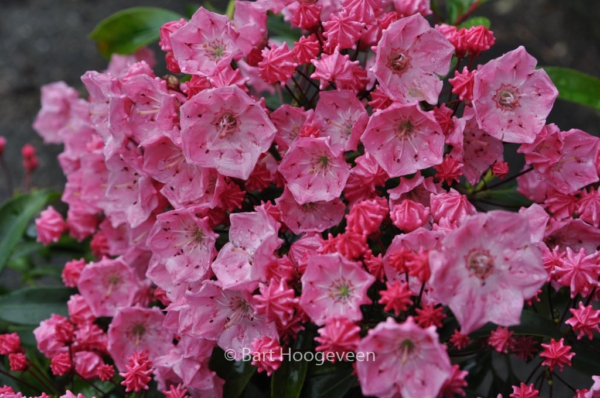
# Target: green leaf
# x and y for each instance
(509, 197)
(575, 86)
(126, 31)
(281, 30)
(287, 381)
(30, 306)
(476, 21)
(236, 374)
(532, 324)
(333, 384)
(15, 215)
(457, 8)
(587, 355)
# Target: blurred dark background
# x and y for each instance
(45, 40)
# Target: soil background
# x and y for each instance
(42, 41)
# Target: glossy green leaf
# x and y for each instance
(587, 355)
(476, 21)
(333, 384)
(15, 215)
(458, 8)
(236, 374)
(279, 28)
(532, 324)
(30, 306)
(287, 381)
(126, 31)
(508, 197)
(575, 86)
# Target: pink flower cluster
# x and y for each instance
(217, 220)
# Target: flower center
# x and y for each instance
(226, 125)
(137, 332)
(405, 130)
(215, 49)
(113, 282)
(480, 263)
(507, 97)
(407, 347)
(198, 236)
(341, 290)
(240, 309)
(399, 62)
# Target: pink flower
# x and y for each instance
(366, 216)
(451, 207)
(107, 285)
(30, 160)
(339, 335)
(176, 391)
(333, 286)
(47, 338)
(185, 241)
(225, 316)
(429, 315)
(72, 272)
(10, 343)
(277, 302)
(306, 49)
(396, 297)
(511, 98)
(242, 262)
(407, 8)
(411, 56)
(578, 271)
(556, 353)
(342, 31)
(18, 362)
(61, 364)
(57, 100)
(86, 364)
(205, 44)
(501, 339)
(277, 65)
(459, 340)
(478, 39)
(136, 329)
(314, 172)
(500, 169)
(588, 207)
(449, 170)
(404, 139)
(408, 361)
(338, 69)
(105, 372)
(462, 84)
(485, 279)
(524, 391)
(364, 179)
(309, 217)
(266, 355)
(456, 383)
(585, 320)
(79, 310)
(225, 129)
(50, 226)
(139, 372)
(342, 117)
(289, 121)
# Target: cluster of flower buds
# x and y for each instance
(349, 207)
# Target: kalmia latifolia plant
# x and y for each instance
(329, 215)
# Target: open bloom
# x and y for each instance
(409, 361)
(486, 269)
(225, 129)
(334, 287)
(404, 139)
(410, 58)
(511, 98)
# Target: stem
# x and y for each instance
(510, 178)
(44, 375)
(6, 170)
(566, 311)
(293, 95)
(564, 382)
(92, 385)
(550, 303)
(299, 87)
(533, 372)
(464, 17)
(587, 302)
(20, 381)
(308, 79)
(418, 302)
(42, 382)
